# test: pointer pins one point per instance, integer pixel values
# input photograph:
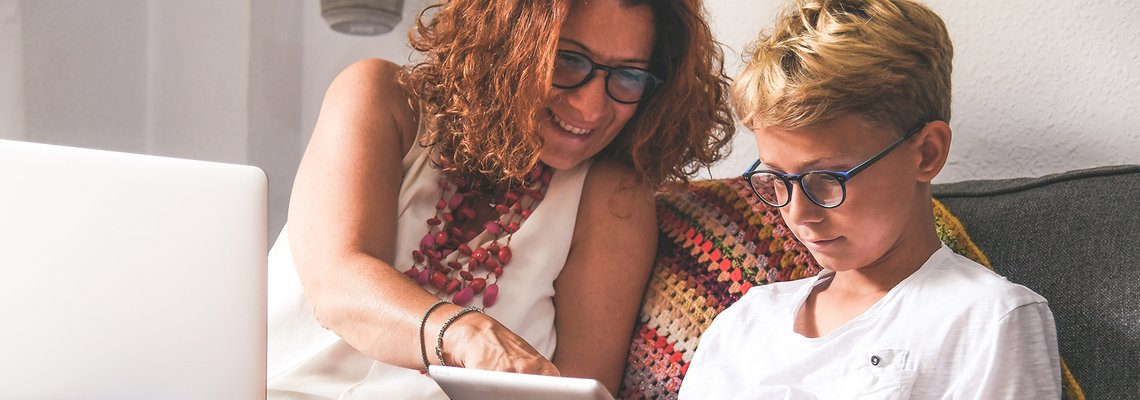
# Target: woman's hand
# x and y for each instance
(478, 341)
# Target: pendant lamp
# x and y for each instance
(362, 17)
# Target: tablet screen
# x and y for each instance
(475, 384)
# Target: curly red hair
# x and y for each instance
(487, 64)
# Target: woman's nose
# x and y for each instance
(590, 100)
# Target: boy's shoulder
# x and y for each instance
(968, 284)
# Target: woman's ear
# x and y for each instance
(933, 149)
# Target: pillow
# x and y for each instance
(717, 241)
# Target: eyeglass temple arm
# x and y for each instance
(863, 165)
(754, 165)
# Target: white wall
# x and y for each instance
(85, 85)
(198, 56)
(275, 94)
(1038, 87)
(166, 78)
(11, 71)
(328, 52)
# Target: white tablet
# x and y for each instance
(476, 384)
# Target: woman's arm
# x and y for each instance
(598, 294)
(342, 218)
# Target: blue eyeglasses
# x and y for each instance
(827, 189)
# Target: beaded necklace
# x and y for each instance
(461, 263)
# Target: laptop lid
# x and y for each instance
(125, 276)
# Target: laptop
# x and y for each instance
(126, 276)
(475, 384)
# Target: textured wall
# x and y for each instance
(1042, 89)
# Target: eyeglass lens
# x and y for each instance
(823, 189)
(624, 84)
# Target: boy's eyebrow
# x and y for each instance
(812, 162)
(803, 165)
(766, 165)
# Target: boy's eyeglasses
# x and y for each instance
(827, 189)
(626, 85)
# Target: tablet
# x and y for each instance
(476, 384)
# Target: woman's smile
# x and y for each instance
(567, 126)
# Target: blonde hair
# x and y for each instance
(888, 61)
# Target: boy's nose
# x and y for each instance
(800, 209)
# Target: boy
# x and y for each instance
(849, 101)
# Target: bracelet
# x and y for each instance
(452, 318)
(423, 323)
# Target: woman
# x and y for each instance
(512, 169)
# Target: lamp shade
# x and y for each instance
(362, 17)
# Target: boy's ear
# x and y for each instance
(934, 147)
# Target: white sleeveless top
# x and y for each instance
(307, 361)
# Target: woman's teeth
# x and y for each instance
(569, 128)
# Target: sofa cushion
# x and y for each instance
(717, 240)
(1074, 238)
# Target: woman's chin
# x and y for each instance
(561, 150)
(559, 161)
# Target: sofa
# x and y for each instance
(1072, 237)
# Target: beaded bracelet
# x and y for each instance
(452, 318)
(423, 323)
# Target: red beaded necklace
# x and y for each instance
(445, 260)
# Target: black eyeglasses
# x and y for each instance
(626, 85)
(827, 189)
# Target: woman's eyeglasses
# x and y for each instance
(626, 85)
(827, 189)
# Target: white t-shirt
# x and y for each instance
(951, 330)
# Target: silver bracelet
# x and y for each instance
(452, 318)
(423, 323)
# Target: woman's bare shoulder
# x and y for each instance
(611, 176)
(615, 192)
(370, 89)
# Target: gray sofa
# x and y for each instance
(1074, 238)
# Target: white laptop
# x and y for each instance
(125, 276)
